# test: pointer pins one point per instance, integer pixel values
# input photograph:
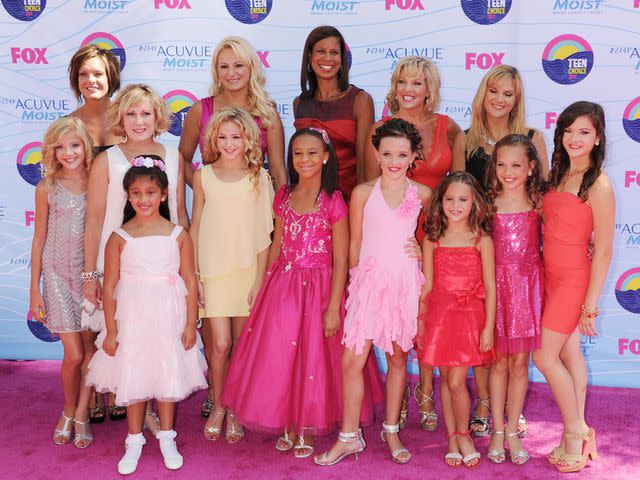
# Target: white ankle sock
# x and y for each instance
(129, 462)
(172, 459)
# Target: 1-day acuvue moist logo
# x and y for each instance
(28, 162)
(631, 119)
(567, 59)
(108, 42)
(485, 12)
(249, 11)
(179, 102)
(628, 290)
(24, 10)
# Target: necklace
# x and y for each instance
(488, 141)
(570, 174)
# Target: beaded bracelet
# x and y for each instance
(590, 313)
(90, 276)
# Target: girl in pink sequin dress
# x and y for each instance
(285, 369)
(457, 320)
(384, 290)
(514, 182)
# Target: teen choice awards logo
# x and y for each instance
(249, 11)
(179, 102)
(631, 119)
(628, 290)
(567, 59)
(29, 158)
(108, 42)
(40, 331)
(25, 10)
(485, 12)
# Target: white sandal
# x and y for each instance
(82, 434)
(284, 439)
(350, 437)
(64, 432)
(396, 453)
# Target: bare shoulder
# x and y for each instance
(601, 190)
(485, 242)
(362, 191)
(43, 187)
(424, 192)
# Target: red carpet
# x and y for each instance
(32, 399)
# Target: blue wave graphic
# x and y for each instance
(476, 11)
(632, 127)
(629, 300)
(558, 70)
(31, 173)
(176, 124)
(122, 56)
(16, 8)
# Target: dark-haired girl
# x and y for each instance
(458, 302)
(295, 325)
(148, 349)
(514, 182)
(382, 307)
(578, 205)
(329, 102)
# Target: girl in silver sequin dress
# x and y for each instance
(57, 255)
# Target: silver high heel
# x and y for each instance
(82, 434)
(426, 417)
(396, 453)
(64, 432)
(354, 438)
(497, 455)
(521, 456)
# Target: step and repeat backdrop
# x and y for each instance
(567, 50)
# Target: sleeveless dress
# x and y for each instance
(519, 281)
(295, 379)
(336, 117)
(454, 316)
(114, 211)
(208, 110)
(386, 284)
(567, 232)
(151, 314)
(236, 225)
(477, 162)
(63, 260)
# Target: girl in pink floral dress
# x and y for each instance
(285, 369)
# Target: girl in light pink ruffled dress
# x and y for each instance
(150, 304)
(382, 307)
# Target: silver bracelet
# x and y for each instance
(90, 276)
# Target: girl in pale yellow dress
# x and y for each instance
(231, 226)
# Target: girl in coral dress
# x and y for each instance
(382, 307)
(459, 300)
(578, 205)
(295, 325)
(150, 304)
(514, 182)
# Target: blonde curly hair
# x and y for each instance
(58, 129)
(250, 137)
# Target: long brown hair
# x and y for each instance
(535, 181)
(560, 158)
(479, 219)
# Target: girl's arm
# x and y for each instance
(190, 138)
(489, 280)
(36, 302)
(263, 257)
(363, 113)
(459, 160)
(111, 277)
(275, 151)
(371, 166)
(276, 243)
(96, 206)
(188, 274)
(603, 206)
(427, 271)
(183, 217)
(541, 148)
(194, 231)
(331, 318)
(356, 206)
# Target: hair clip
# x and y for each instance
(148, 162)
(323, 132)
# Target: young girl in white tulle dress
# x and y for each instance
(150, 304)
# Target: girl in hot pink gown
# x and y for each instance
(285, 369)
